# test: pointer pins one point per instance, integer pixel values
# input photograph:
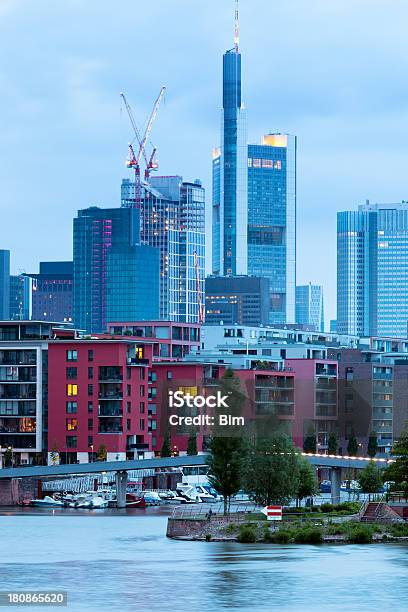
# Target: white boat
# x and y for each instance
(48, 501)
(187, 493)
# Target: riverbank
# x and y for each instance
(227, 529)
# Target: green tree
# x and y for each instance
(370, 479)
(227, 446)
(8, 457)
(307, 485)
(372, 446)
(272, 472)
(352, 446)
(166, 448)
(54, 454)
(398, 471)
(102, 453)
(332, 444)
(192, 443)
(309, 443)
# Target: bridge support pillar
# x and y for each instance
(121, 484)
(335, 479)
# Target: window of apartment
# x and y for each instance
(72, 407)
(139, 352)
(128, 373)
(152, 392)
(128, 407)
(152, 408)
(90, 440)
(90, 407)
(141, 390)
(90, 389)
(141, 424)
(90, 424)
(72, 390)
(72, 424)
(169, 375)
(141, 373)
(72, 441)
(90, 373)
(128, 424)
(90, 355)
(128, 390)
(72, 355)
(142, 407)
(152, 376)
(72, 373)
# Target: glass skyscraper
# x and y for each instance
(272, 221)
(254, 201)
(230, 177)
(372, 270)
(309, 306)
(52, 291)
(4, 284)
(173, 220)
(20, 298)
(113, 275)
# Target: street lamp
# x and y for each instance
(91, 447)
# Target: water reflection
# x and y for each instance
(123, 561)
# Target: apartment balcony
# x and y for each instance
(382, 375)
(275, 384)
(105, 411)
(137, 362)
(110, 379)
(110, 425)
(326, 384)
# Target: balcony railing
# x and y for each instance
(110, 412)
(111, 395)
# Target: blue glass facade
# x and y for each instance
(173, 220)
(98, 235)
(132, 283)
(230, 177)
(272, 221)
(4, 285)
(309, 306)
(52, 291)
(372, 270)
(20, 297)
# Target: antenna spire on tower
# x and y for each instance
(236, 31)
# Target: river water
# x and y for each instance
(121, 560)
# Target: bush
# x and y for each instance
(308, 535)
(326, 508)
(399, 530)
(268, 535)
(361, 534)
(208, 537)
(247, 534)
(350, 507)
(283, 536)
(337, 529)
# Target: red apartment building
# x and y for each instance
(97, 396)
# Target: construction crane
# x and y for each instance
(134, 159)
(199, 304)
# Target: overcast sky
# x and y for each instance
(335, 73)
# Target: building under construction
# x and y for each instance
(172, 217)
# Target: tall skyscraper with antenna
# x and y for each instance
(230, 175)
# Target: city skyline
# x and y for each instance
(65, 117)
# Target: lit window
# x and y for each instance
(277, 164)
(267, 163)
(139, 352)
(72, 424)
(249, 162)
(256, 163)
(72, 390)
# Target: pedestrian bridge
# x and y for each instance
(97, 467)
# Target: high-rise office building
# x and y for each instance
(52, 291)
(243, 300)
(113, 275)
(272, 221)
(230, 175)
(20, 298)
(173, 220)
(254, 200)
(4, 284)
(309, 306)
(372, 270)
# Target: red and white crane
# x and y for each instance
(134, 158)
